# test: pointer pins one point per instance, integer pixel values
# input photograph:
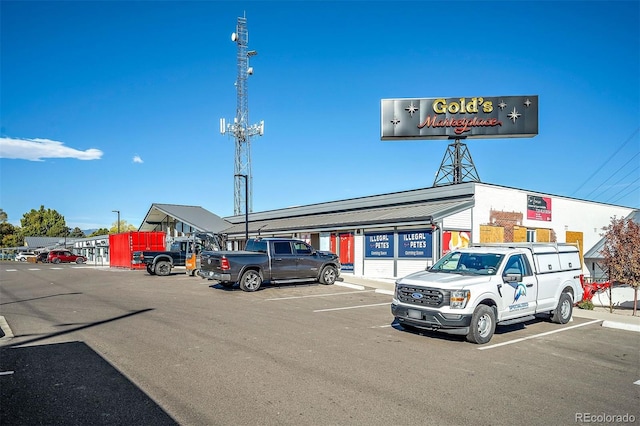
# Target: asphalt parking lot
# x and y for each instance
(189, 352)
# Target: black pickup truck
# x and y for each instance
(161, 262)
(273, 260)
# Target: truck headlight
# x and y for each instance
(459, 299)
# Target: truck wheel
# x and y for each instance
(163, 268)
(250, 281)
(483, 324)
(562, 313)
(328, 275)
(150, 270)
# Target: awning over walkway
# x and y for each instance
(161, 216)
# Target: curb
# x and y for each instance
(621, 326)
(5, 330)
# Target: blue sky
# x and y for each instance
(116, 105)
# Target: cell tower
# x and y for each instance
(240, 129)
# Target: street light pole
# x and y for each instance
(117, 211)
(246, 207)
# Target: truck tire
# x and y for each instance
(163, 268)
(483, 325)
(150, 270)
(328, 275)
(250, 281)
(562, 313)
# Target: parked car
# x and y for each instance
(43, 257)
(65, 256)
(24, 255)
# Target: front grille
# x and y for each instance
(421, 296)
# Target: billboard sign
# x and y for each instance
(538, 208)
(378, 245)
(415, 244)
(458, 118)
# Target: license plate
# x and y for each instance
(412, 313)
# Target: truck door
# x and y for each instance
(283, 261)
(518, 296)
(308, 264)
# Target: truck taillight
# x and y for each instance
(224, 264)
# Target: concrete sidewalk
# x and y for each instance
(621, 318)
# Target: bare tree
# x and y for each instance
(621, 255)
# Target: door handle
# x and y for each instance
(529, 285)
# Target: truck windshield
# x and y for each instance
(468, 263)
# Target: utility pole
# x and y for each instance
(240, 128)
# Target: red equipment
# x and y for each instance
(589, 289)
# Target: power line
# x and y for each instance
(608, 159)
(621, 195)
(613, 174)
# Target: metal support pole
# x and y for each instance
(246, 207)
(118, 226)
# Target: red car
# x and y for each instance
(65, 256)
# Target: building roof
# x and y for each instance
(430, 211)
(194, 216)
(395, 199)
(43, 242)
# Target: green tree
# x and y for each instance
(76, 233)
(43, 223)
(124, 227)
(12, 240)
(621, 257)
(7, 231)
(99, 232)
(3, 216)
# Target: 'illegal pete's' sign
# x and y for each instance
(459, 118)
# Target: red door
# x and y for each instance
(342, 245)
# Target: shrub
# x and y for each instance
(586, 304)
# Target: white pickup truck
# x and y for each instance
(469, 291)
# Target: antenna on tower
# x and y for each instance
(240, 129)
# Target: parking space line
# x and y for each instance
(537, 335)
(350, 307)
(349, 285)
(637, 382)
(319, 295)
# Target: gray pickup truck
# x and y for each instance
(272, 260)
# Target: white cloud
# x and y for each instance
(137, 159)
(39, 149)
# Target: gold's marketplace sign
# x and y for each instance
(459, 118)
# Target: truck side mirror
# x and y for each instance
(512, 278)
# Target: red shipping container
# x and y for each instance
(122, 246)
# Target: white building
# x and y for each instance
(392, 235)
